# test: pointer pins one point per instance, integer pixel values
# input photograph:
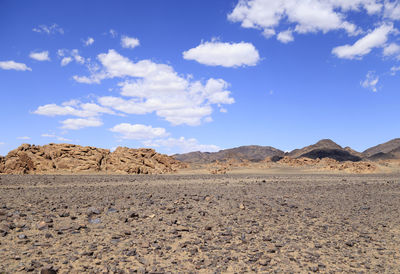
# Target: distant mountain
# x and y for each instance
(250, 153)
(321, 145)
(325, 148)
(385, 151)
(354, 152)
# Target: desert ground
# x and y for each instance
(232, 223)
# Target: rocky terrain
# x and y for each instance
(200, 224)
(66, 158)
(323, 156)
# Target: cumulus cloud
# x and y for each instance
(217, 53)
(181, 145)
(65, 61)
(370, 81)
(129, 42)
(79, 123)
(52, 29)
(376, 38)
(89, 41)
(58, 138)
(67, 56)
(40, 56)
(139, 132)
(12, 65)
(394, 70)
(153, 87)
(391, 49)
(77, 109)
(305, 15)
(158, 137)
(285, 36)
(392, 10)
(24, 138)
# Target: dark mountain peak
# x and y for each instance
(320, 145)
(328, 143)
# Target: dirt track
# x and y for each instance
(200, 223)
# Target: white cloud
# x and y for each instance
(79, 123)
(89, 41)
(394, 70)
(391, 49)
(69, 55)
(285, 36)
(40, 56)
(65, 61)
(374, 39)
(305, 15)
(139, 132)
(52, 29)
(268, 33)
(79, 59)
(392, 10)
(2, 143)
(24, 138)
(181, 145)
(129, 42)
(216, 53)
(72, 103)
(77, 109)
(370, 81)
(158, 88)
(113, 33)
(58, 138)
(8, 65)
(86, 80)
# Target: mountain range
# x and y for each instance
(325, 148)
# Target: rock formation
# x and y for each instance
(66, 158)
(325, 164)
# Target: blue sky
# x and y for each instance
(183, 76)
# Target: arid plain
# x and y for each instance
(322, 208)
(200, 223)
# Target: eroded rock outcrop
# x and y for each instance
(2, 164)
(140, 161)
(327, 164)
(67, 158)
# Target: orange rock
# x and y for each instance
(67, 158)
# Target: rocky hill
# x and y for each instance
(249, 153)
(326, 148)
(66, 158)
(323, 149)
(385, 151)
